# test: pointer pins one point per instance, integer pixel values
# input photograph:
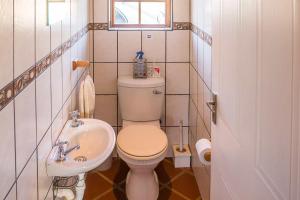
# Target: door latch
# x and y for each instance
(212, 105)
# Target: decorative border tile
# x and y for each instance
(6, 95)
(104, 26)
(98, 26)
(181, 26)
(201, 34)
(15, 87)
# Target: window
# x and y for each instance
(140, 14)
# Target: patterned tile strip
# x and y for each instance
(176, 26)
(15, 87)
(181, 26)
(202, 34)
(12, 89)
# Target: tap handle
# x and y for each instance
(60, 143)
(75, 114)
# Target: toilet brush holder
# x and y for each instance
(182, 159)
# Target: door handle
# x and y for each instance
(212, 105)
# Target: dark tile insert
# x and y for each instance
(175, 184)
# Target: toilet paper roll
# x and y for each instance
(203, 148)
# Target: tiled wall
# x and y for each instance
(113, 53)
(37, 89)
(200, 86)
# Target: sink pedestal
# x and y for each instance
(80, 187)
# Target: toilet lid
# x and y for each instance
(142, 140)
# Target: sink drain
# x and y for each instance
(80, 159)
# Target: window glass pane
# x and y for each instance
(126, 13)
(153, 12)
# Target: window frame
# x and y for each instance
(139, 26)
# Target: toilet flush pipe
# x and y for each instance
(181, 136)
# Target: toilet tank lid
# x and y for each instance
(129, 81)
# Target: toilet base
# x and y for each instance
(142, 184)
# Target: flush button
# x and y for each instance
(149, 36)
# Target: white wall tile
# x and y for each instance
(200, 97)
(194, 49)
(105, 46)
(25, 125)
(27, 182)
(44, 181)
(67, 108)
(207, 25)
(12, 194)
(55, 35)
(201, 130)
(23, 35)
(106, 78)
(193, 119)
(194, 11)
(106, 108)
(7, 150)
(6, 40)
(201, 57)
(181, 10)
(177, 78)
(125, 69)
(177, 109)
(66, 22)
(206, 111)
(74, 56)
(153, 45)
(57, 126)
(56, 87)
(207, 65)
(43, 103)
(67, 74)
(42, 30)
(100, 11)
(129, 42)
(193, 85)
(49, 195)
(91, 46)
(178, 46)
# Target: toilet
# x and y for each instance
(141, 143)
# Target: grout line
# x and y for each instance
(35, 105)
(14, 106)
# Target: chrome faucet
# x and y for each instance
(75, 121)
(62, 153)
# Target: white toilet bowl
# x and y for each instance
(142, 147)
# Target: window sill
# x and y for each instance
(139, 29)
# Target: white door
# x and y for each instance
(256, 154)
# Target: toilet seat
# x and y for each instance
(142, 142)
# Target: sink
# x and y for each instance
(96, 139)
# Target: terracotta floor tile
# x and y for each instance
(98, 187)
(118, 171)
(167, 194)
(114, 195)
(166, 171)
(95, 185)
(186, 185)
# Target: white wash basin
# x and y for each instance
(96, 139)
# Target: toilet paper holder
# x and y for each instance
(80, 63)
(207, 156)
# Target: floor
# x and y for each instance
(175, 184)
